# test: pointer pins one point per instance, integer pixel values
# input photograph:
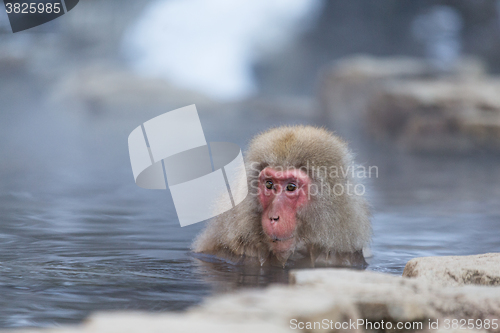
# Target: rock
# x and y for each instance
(175, 323)
(437, 115)
(103, 87)
(327, 297)
(483, 269)
(347, 87)
(340, 295)
(378, 296)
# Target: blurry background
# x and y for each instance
(411, 84)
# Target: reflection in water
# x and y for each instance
(77, 235)
(227, 276)
(223, 276)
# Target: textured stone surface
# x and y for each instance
(315, 295)
(483, 269)
(403, 299)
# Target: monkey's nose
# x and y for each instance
(274, 219)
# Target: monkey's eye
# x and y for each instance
(291, 187)
(269, 184)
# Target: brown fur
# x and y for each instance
(332, 225)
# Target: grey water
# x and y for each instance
(78, 236)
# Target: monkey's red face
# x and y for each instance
(281, 194)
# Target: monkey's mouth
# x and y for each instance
(282, 245)
(275, 239)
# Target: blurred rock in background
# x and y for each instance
(346, 88)
(405, 101)
(104, 93)
(445, 115)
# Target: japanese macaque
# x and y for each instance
(303, 204)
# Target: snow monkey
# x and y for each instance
(302, 204)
